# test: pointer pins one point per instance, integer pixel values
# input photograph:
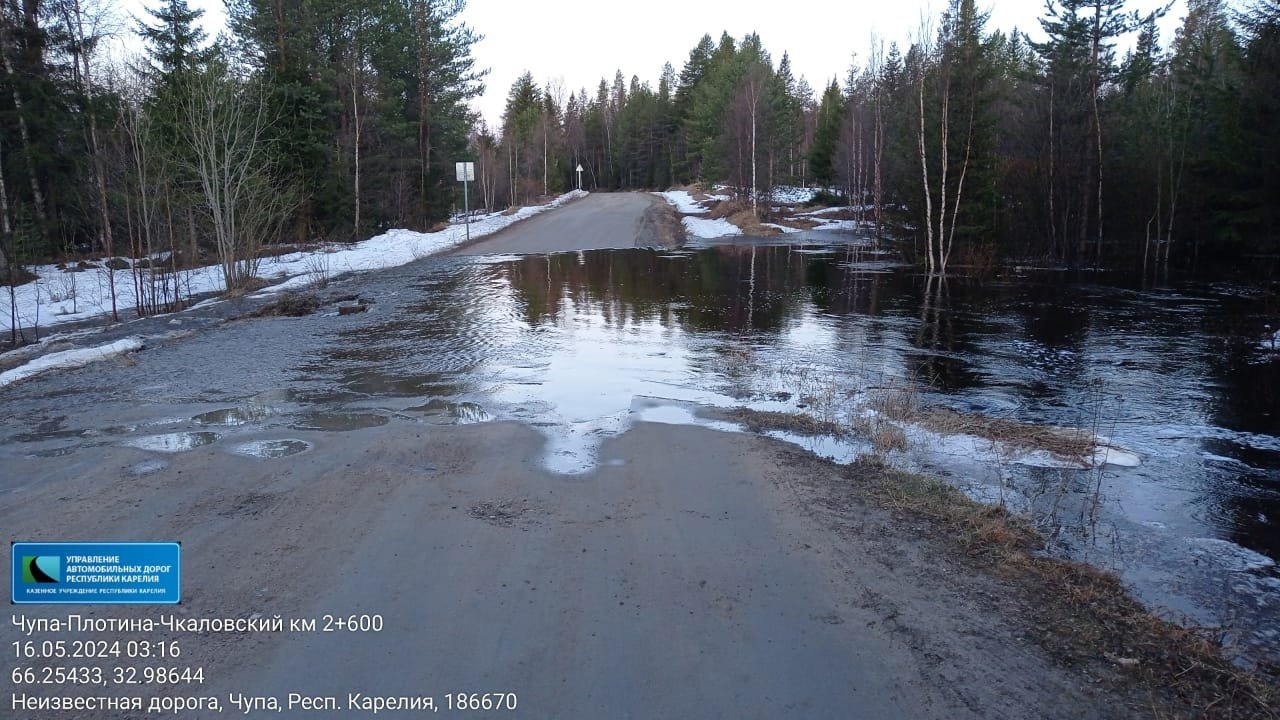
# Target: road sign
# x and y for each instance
(466, 173)
(579, 176)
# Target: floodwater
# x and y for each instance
(583, 344)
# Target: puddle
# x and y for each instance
(457, 413)
(338, 422)
(39, 436)
(271, 449)
(174, 442)
(146, 467)
(236, 416)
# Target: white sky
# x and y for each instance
(580, 41)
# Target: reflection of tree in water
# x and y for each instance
(723, 289)
(1248, 389)
(1251, 513)
(944, 336)
(1054, 317)
(1247, 397)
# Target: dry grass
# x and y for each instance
(696, 191)
(318, 270)
(761, 421)
(899, 401)
(887, 437)
(1081, 615)
(669, 229)
(290, 305)
(246, 286)
(14, 276)
(268, 251)
(511, 211)
(1072, 444)
(751, 225)
(797, 223)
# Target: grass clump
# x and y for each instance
(1073, 444)
(1083, 616)
(759, 421)
(290, 305)
(247, 285)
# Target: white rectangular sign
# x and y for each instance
(466, 171)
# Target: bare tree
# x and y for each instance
(86, 25)
(225, 122)
(922, 67)
(961, 26)
(156, 290)
(756, 81)
(357, 62)
(876, 69)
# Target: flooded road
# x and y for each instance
(582, 346)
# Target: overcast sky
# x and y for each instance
(580, 41)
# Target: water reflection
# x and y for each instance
(572, 342)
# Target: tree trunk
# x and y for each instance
(879, 158)
(755, 209)
(1096, 78)
(278, 16)
(964, 170)
(1097, 127)
(85, 70)
(924, 174)
(4, 217)
(355, 117)
(37, 197)
(945, 161)
(5, 234)
(1053, 213)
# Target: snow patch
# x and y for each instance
(793, 195)
(783, 228)
(57, 297)
(683, 202)
(68, 359)
(707, 229)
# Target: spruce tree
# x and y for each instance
(826, 135)
(173, 40)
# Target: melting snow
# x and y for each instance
(707, 229)
(58, 297)
(69, 359)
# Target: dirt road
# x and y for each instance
(692, 573)
(598, 221)
(689, 576)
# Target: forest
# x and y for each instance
(331, 120)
